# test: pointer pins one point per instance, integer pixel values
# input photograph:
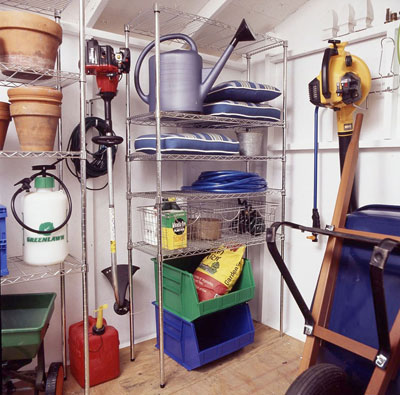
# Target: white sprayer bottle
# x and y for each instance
(45, 209)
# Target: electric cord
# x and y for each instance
(97, 167)
(228, 181)
(26, 187)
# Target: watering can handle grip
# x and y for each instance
(148, 48)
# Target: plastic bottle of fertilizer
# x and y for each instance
(45, 209)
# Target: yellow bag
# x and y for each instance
(218, 272)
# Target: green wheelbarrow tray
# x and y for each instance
(24, 322)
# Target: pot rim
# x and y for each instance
(35, 92)
(28, 21)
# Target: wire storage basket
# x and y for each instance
(209, 223)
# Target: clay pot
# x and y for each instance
(4, 121)
(35, 111)
(28, 39)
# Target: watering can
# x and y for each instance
(184, 83)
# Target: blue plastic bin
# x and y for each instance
(352, 311)
(193, 344)
(3, 241)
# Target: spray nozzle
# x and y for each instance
(99, 328)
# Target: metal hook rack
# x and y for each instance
(391, 73)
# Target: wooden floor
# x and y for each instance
(267, 366)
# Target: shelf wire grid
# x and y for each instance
(207, 226)
(139, 156)
(39, 154)
(195, 195)
(200, 121)
(14, 75)
(20, 272)
(208, 34)
(47, 7)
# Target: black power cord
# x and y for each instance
(97, 167)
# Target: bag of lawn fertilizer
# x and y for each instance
(218, 272)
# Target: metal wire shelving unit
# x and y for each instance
(211, 37)
(12, 75)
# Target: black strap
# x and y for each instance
(377, 263)
(271, 244)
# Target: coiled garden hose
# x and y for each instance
(228, 181)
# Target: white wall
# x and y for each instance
(378, 163)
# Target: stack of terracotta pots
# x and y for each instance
(31, 40)
(4, 121)
(35, 111)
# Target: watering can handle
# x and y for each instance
(147, 49)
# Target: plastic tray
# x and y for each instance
(180, 295)
(193, 344)
(24, 321)
(3, 242)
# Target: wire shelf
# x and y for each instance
(208, 34)
(194, 195)
(39, 154)
(139, 156)
(47, 7)
(14, 75)
(20, 272)
(199, 246)
(216, 221)
(200, 121)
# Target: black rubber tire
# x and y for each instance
(55, 379)
(321, 379)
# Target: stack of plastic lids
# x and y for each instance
(228, 181)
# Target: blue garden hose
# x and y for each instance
(316, 223)
(228, 181)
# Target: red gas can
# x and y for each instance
(103, 353)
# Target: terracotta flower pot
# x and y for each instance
(35, 111)
(4, 121)
(28, 39)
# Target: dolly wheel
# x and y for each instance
(321, 379)
(55, 379)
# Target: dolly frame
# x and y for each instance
(387, 357)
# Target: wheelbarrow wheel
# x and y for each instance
(55, 379)
(321, 379)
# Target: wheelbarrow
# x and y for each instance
(353, 327)
(24, 322)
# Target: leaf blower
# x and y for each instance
(108, 68)
(342, 85)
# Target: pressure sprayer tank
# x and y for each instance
(45, 209)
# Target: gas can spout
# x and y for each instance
(99, 328)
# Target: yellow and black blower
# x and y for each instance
(343, 84)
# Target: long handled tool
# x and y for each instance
(108, 68)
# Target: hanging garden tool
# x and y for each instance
(342, 85)
(108, 68)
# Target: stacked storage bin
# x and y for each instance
(3, 241)
(196, 333)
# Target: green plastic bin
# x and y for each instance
(24, 321)
(180, 295)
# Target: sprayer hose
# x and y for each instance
(36, 230)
